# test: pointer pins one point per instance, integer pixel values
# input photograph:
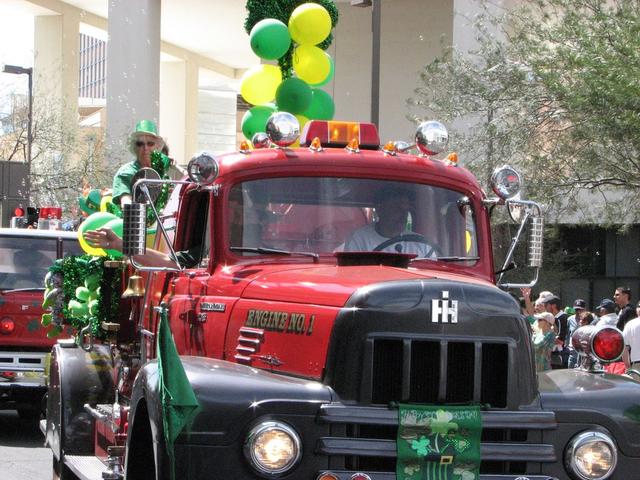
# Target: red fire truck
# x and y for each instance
(25, 255)
(297, 345)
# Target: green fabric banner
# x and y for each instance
(179, 402)
(437, 442)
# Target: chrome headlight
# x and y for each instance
(272, 448)
(505, 182)
(591, 456)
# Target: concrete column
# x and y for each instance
(179, 108)
(133, 66)
(56, 64)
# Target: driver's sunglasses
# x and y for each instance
(141, 144)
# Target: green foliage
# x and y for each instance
(74, 270)
(160, 163)
(554, 89)
(281, 10)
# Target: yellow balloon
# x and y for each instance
(309, 24)
(93, 222)
(104, 202)
(96, 252)
(311, 64)
(258, 85)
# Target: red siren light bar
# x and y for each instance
(339, 134)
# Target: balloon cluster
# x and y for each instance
(73, 295)
(84, 306)
(309, 25)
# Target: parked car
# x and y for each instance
(25, 256)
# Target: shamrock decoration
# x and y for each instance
(411, 469)
(464, 472)
(442, 423)
(422, 446)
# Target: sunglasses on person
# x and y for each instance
(141, 144)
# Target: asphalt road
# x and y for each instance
(22, 452)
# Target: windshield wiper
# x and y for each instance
(446, 259)
(455, 259)
(275, 251)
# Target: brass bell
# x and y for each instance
(135, 287)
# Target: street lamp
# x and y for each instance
(16, 70)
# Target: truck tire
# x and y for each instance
(61, 471)
(141, 466)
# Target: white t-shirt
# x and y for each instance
(631, 335)
(610, 319)
(365, 239)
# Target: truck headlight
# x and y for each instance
(272, 448)
(591, 456)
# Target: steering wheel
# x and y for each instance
(407, 237)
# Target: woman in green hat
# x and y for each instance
(142, 142)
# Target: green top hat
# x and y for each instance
(145, 127)
(91, 203)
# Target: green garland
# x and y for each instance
(160, 163)
(74, 270)
(281, 10)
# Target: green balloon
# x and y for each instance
(82, 293)
(330, 76)
(78, 309)
(93, 307)
(255, 120)
(116, 226)
(322, 106)
(293, 95)
(270, 39)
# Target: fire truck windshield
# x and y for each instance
(323, 215)
(25, 259)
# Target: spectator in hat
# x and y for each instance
(573, 322)
(142, 142)
(90, 203)
(544, 340)
(622, 298)
(553, 306)
(607, 312)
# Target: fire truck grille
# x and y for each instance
(436, 371)
(364, 439)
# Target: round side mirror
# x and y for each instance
(154, 190)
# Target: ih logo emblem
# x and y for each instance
(444, 310)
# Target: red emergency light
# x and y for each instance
(340, 134)
(608, 344)
(604, 343)
(7, 326)
(51, 212)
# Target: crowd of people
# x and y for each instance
(552, 327)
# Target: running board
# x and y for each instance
(85, 467)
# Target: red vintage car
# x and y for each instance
(25, 256)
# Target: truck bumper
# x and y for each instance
(22, 379)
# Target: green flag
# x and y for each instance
(438, 442)
(179, 402)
